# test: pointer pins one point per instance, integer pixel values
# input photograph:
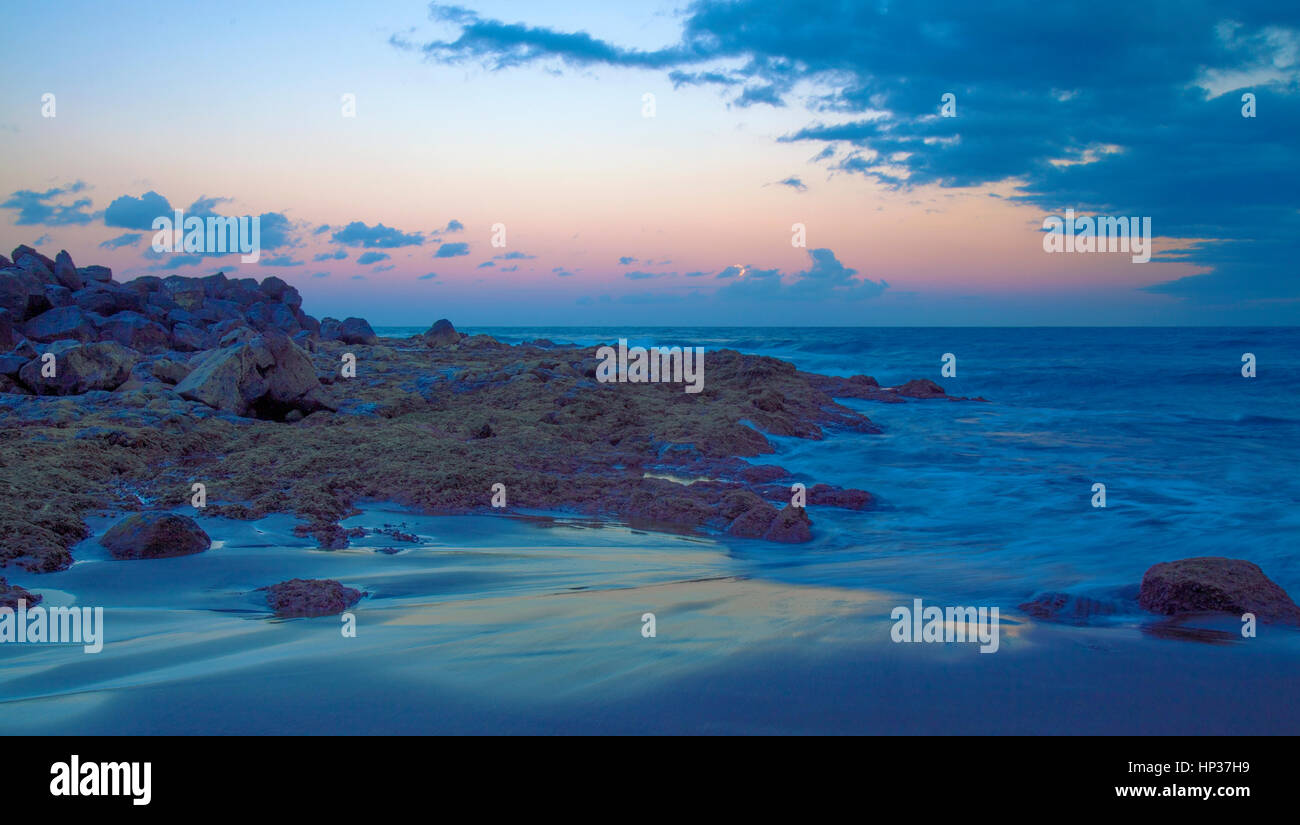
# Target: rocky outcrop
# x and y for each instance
(304, 598)
(1214, 584)
(155, 536)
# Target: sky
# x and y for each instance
(644, 163)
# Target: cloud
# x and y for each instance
(454, 225)
(375, 237)
(1143, 120)
(125, 239)
(514, 268)
(696, 274)
(359, 277)
(730, 272)
(384, 268)
(204, 206)
(280, 260)
(320, 274)
(130, 212)
(826, 278)
(486, 264)
(637, 275)
(367, 258)
(321, 230)
(515, 256)
(627, 260)
(428, 277)
(177, 261)
(452, 250)
(561, 272)
(336, 255)
(794, 183)
(38, 208)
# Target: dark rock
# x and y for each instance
(108, 299)
(21, 293)
(187, 293)
(299, 598)
(441, 334)
(65, 271)
(81, 368)
(101, 274)
(791, 526)
(266, 377)
(11, 364)
(754, 522)
(349, 331)
(1066, 608)
(8, 335)
(11, 593)
(825, 495)
(1215, 585)
(133, 330)
(921, 388)
(155, 536)
(273, 287)
(188, 338)
(62, 323)
(266, 315)
(484, 432)
(169, 371)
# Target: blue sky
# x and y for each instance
(531, 116)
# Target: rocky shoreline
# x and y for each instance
(123, 396)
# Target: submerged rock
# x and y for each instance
(1214, 584)
(11, 593)
(1066, 608)
(155, 536)
(299, 598)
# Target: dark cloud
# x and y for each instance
(452, 250)
(367, 258)
(39, 208)
(375, 237)
(130, 212)
(125, 239)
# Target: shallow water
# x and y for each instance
(535, 623)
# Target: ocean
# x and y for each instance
(537, 623)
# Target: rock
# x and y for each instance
(169, 371)
(824, 495)
(266, 377)
(155, 536)
(186, 338)
(101, 274)
(298, 598)
(23, 250)
(133, 330)
(62, 323)
(81, 368)
(348, 331)
(273, 287)
(216, 285)
(791, 526)
(187, 293)
(108, 299)
(8, 335)
(754, 522)
(266, 315)
(5, 262)
(216, 310)
(11, 364)
(21, 293)
(921, 388)
(441, 334)
(1066, 608)
(65, 272)
(1215, 585)
(11, 593)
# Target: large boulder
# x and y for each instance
(100, 274)
(791, 526)
(1214, 584)
(62, 323)
(80, 368)
(265, 377)
(65, 271)
(130, 329)
(155, 536)
(348, 331)
(21, 293)
(187, 293)
(8, 334)
(299, 598)
(268, 315)
(441, 334)
(108, 299)
(187, 338)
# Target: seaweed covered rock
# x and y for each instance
(300, 598)
(11, 593)
(266, 377)
(1214, 584)
(155, 536)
